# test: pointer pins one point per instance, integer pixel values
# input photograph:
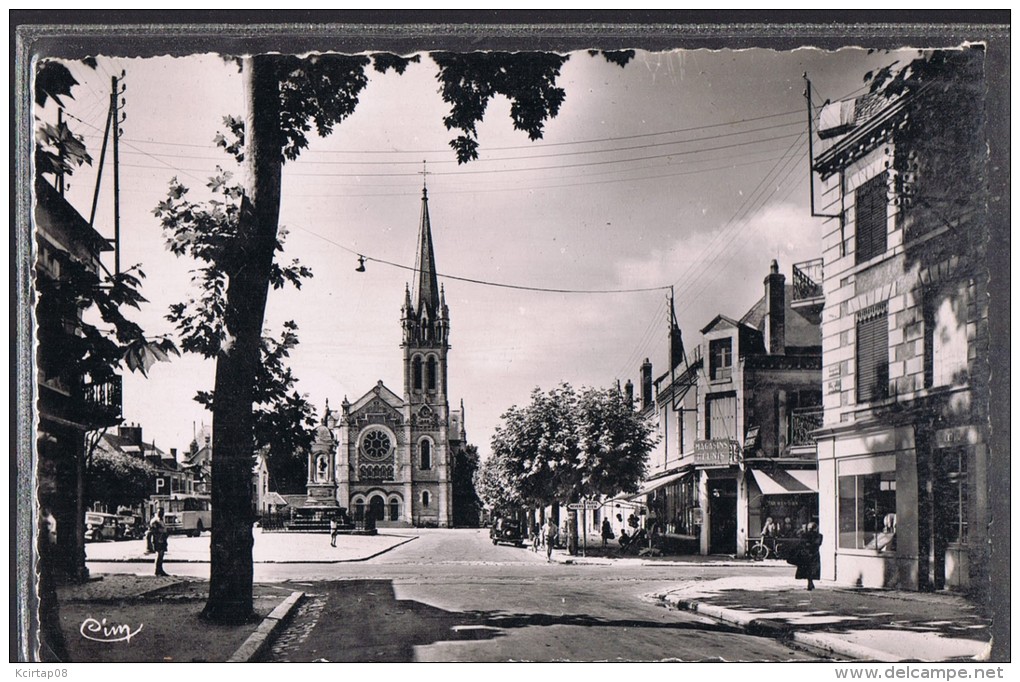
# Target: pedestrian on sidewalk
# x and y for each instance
(332, 531)
(549, 533)
(607, 532)
(807, 557)
(159, 533)
(536, 536)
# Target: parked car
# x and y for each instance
(99, 527)
(509, 532)
(132, 526)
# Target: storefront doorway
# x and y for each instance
(722, 506)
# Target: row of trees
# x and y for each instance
(564, 446)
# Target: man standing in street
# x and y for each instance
(158, 531)
(549, 534)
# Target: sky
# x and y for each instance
(684, 168)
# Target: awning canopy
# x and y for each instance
(786, 481)
(655, 484)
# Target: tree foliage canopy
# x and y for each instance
(565, 445)
(117, 479)
(208, 232)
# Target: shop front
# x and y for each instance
(787, 497)
(716, 465)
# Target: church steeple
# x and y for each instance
(426, 286)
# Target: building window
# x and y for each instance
(867, 511)
(425, 454)
(430, 373)
(425, 498)
(872, 204)
(721, 416)
(416, 373)
(720, 358)
(945, 339)
(376, 445)
(955, 496)
(872, 354)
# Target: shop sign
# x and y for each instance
(716, 453)
(586, 505)
(948, 438)
(833, 386)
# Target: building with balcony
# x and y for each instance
(69, 404)
(903, 455)
(735, 418)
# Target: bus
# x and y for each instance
(183, 513)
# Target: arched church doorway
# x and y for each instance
(377, 508)
(394, 510)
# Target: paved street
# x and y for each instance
(452, 596)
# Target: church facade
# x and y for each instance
(387, 455)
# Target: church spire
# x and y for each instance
(426, 286)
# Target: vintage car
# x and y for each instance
(509, 532)
(99, 527)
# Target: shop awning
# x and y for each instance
(655, 484)
(786, 481)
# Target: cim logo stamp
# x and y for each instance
(101, 631)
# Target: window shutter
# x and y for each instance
(872, 218)
(872, 354)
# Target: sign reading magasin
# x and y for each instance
(716, 453)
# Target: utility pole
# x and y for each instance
(60, 152)
(115, 121)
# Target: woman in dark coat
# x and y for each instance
(809, 561)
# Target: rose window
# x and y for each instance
(376, 445)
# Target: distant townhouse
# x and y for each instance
(734, 419)
(903, 459)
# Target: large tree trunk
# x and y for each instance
(230, 573)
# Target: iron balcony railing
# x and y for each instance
(802, 423)
(101, 400)
(807, 281)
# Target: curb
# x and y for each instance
(142, 560)
(765, 627)
(259, 640)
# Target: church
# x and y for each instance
(389, 456)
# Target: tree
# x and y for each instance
(466, 504)
(117, 479)
(565, 446)
(284, 97)
(283, 419)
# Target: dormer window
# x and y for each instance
(720, 358)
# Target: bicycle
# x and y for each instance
(760, 551)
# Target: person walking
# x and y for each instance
(549, 533)
(808, 558)
(332, 531)
(607, 532)
(536, 536)
(159, 533)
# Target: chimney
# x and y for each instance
(646, 384)
(628, 392)
(775, 311)
(173, 453)
(132, 434)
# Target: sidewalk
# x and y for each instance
(846, 622)
(279, 548)
(144, 618)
